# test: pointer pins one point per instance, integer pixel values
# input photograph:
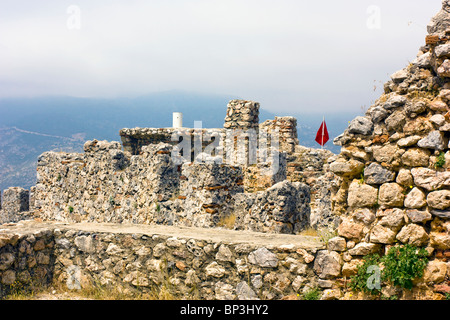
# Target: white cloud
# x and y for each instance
(284, 54)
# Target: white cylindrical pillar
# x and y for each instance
(177, 120)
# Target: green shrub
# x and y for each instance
(359, 282)
(312, 294)
(440, 161)
(400, 266)
(70, 209)
(403, 264)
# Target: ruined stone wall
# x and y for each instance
(15, 205)
(185, 265)
(394, 181)
(133, 139)
(106, 184)
(312, 167)
(286, 128)
(27, 261)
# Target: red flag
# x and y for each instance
(322, 135)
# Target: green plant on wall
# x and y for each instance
(440, 160)
(360, 281)
(403, 264)
(399, 267)
(70, 208)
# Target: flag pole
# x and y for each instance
(323, 131)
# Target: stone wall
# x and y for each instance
(394, 181)
(106, 184)
(286, 128)
(15, 205)
(187, 264)
(133, 139)
(27, 260)
(242, 114)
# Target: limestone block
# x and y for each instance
(361, 195)
(376, 174)
(416, 157)
(439, 199)
(415, 199)
(391, 195)
(413, 234)
(328, 264)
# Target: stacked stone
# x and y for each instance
(26, 261)
(133, 139)
(16, 205)
(184, 263)
(242, 114)
(394, 162)
(205, 190)
(282, 208)
(311, 166)
(265, 174)
(286, 129)
(105, 184)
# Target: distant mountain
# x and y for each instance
(31, 126)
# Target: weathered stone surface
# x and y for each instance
(263, 258)
(391, 195)
(376, 174)
(440, 240)
(444, 69)
(392, 218)
(244, 292)
(442, 50)
(404, 178)
(415, 199)
(365, 216)
(434, 140)
(386, 153)
(350, 268)
(8, 277)
(395, 121)
(416, 157)
(377, 114)
(443, 214)
(224, 291)
(350, 230)
(380, 234)
(408, 141)
(438, 119)
(400, 75)
(413, 234)
(327, 264)
(331, 294)
(349, 168)
(418, 216)
(215, 270)
(438, 106)
(364, 248)
(362, 195)
(361, 125)
(435, 271)
(439, 199)
(337, 244)
(224, 254)
(423, 61)
(85, 243)
(430, 179)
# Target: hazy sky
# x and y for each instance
(290, 55)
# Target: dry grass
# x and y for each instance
(227, 221)
(309, 232)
